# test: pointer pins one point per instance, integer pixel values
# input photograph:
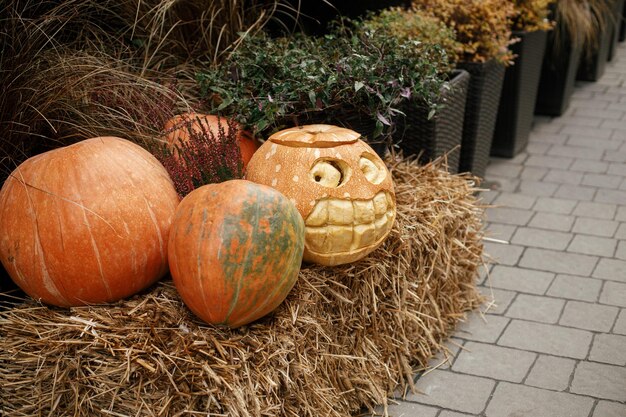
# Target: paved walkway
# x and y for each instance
(553, 344)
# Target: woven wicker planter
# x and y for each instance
(440, 135)
(622, 24)
(519, 93)
(616, 24)
(558, 76)
(483, 96)
(592, 67)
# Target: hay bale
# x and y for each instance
(343, 340)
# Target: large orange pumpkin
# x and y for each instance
(178, 131)
(87, 223)
(235, 251)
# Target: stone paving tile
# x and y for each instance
(408, 409)
(478, 327)
(502, 253)
(575, 288)
(611, 269)
(537, 188)
(487, 197)
(621, 229)
(614, 293)
(620, 323)
(620, 252)
(519, 279)
(589, 316)
(503, 169)
(534, 308)
(586, 165)
(600, 381)
(556, 205)
(502, 184)
(561, 176)
(552, 221)
(536, 148)
(559, 262)
(447, 413)
(511, 400)
(548, 161)
(453, 391)
(546, 338)
(547, 138)
(609, 409)
(605, 114)
(611, 196)
(577, 152)
(592, 245)
(540, 238)
(607, 144)
(595, 210)
(596, 227)
(590, 132)
(609, 348)
(615, 156)
(551, 372)
(497, 300)
(495, 362)
(508, 215)
(515, 200)
(581, 121)
(616, 169)
(576, 192)
(446, 356)
(602, 180)
(500, 231)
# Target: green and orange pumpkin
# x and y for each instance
(87, 223)
(235, 251)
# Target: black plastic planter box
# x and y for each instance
(432, 138)
(616, 24)
(622, 25)
(519, 93)
(481, 108)
(592, 67)
(558, 76)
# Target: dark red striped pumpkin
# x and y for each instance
(235, 250)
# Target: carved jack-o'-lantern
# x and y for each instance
(342, 189)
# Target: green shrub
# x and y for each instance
(482, 27)
(268, 84)
(416, 25)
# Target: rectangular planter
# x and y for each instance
(615, 26)
(440, 135)
(558, 76)
(519, 93)
(622, 24)
(592, 67)
(481, 109)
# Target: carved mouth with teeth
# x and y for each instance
(338, 227)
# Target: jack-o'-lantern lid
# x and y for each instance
(315, 136)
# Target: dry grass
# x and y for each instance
(341, 342)
(74, 69)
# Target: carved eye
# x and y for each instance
(372, 169)
(330, 173)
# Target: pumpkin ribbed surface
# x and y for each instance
(235, 251)
(87, 223)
